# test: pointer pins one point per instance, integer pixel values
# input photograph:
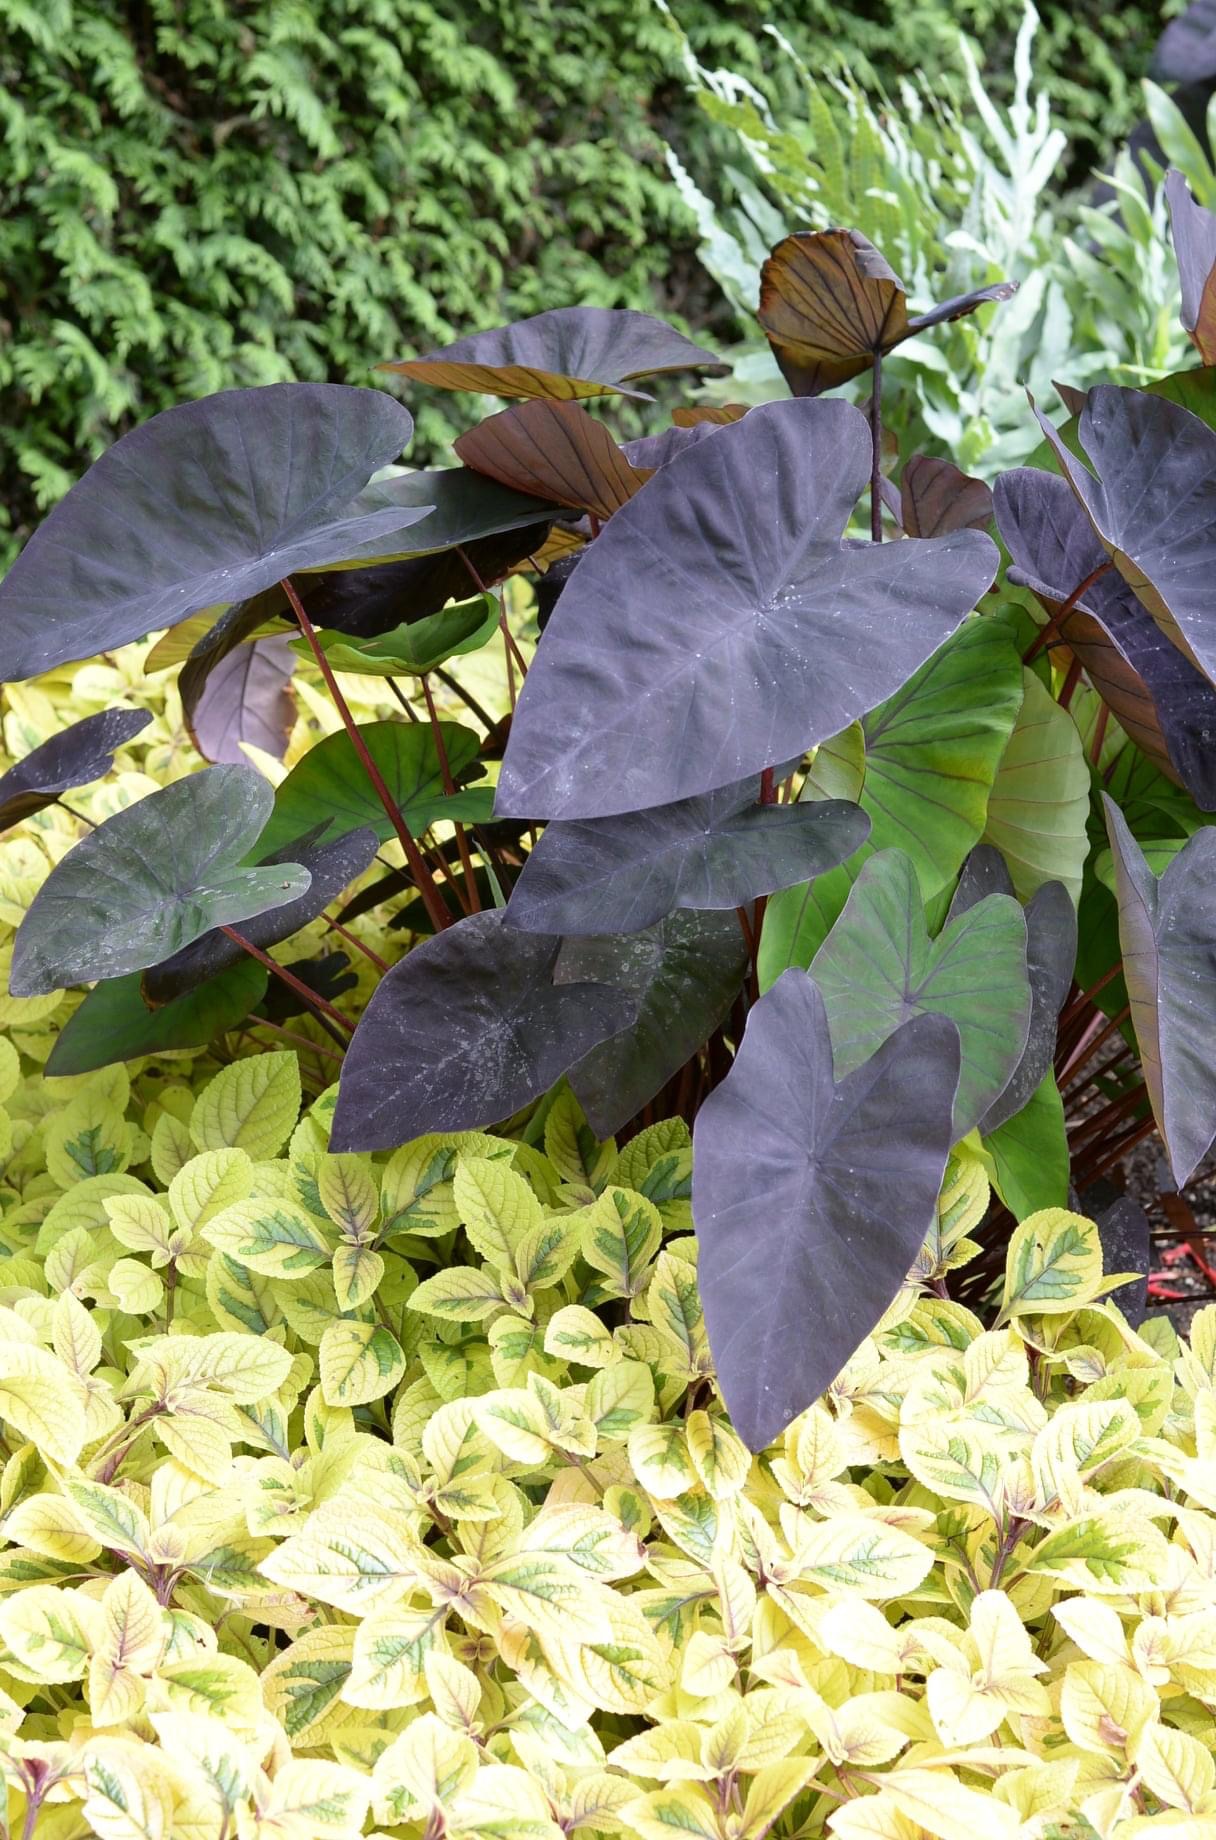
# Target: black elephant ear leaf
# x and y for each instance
(720, 850)
(936, 497)
(150, 880)
(246, 698)
(569, 352)
(796, 1273)
(878, 966)
(115, 1024)
(1166, 929)
(466, 1030)
(985, 872)
(830, 304)
(741, 638)
(76, 756)
(1152, 507)
(1160, 700)
(1186, 50)
(682, 975)
(1126, 1237)
(1194, 231)
(204, 504)
(331, 866)
(1051, 955)
(556, 450)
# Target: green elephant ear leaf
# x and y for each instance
(1030, 1152)
(115, 1024)
(150, 880)
(1038, 808)
(878, 966)
(328, 792)
(933, 751)
(414, 649)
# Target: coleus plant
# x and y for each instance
(848, 848)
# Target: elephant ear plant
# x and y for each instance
(814, 817)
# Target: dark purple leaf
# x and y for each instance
(683, 975)
(151, 879)
(1167, 931)
(721, 850)
(568, 352)
(76, 756)
(204, 504)
(328, 975)
(1123, 1229)
(1194, 231)
(878, 966)
(1152, 507)
(246, 698)
(1051, 955)
(1159, 699)
(655, 450)
(812, 1197)
(332, 866)
(1186, 50)
(115, 1024)
(468, 1028)
(935, 497)
(719, 624)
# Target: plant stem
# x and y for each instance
(471, 904)
(1089, 1048)
(1072, 678)
(466, 696)
(404, 701)
(439, 915)
(876, 459)
(297, 1041)
(320, 1006)
(1062, 612)
(352, 939)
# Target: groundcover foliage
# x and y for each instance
(869, 852)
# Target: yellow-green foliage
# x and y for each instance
(392, 1494)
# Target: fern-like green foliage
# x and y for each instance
(199, 194)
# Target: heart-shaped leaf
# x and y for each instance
(830, 304)
(1166, 928)
(557, 451)
(206, 503)
(1039, 804)
(935, 497)
(878, 966)
(933, 751)
(718, 851)
(330, 789)
(115, 1024)
(332, 867)
(468, 1028)
(413, 650)
(1194, 232)
(1152, 507)
(655, 450)
(1051, 955)
(702, 639)
(76, 756)
(568, 352)
(1030, 1153)
(245, 698)
(151, 879)
(1159, 699)
(794, 1281)
(682, 975)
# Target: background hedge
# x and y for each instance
(200, 193)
